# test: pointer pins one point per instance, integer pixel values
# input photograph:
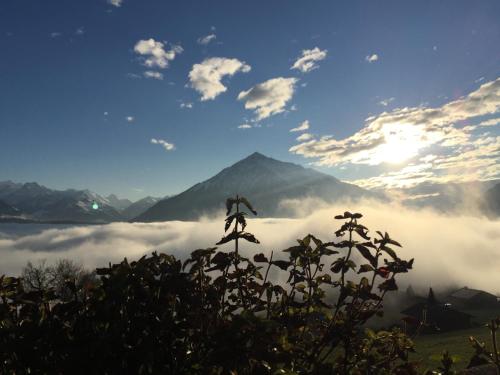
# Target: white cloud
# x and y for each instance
(245, 126)
(308, 60)
(55, 34)
(130, 118)
(204, 40)
(116, 3)
(304, 137)
(187, 105)
(490, 122)
(154, 53)
(166, 145)
(301, 127)
(400, 136)
(443, 260)
(386, 102)
(206, 77)
(153, 74)
(371, 58)
(270, 97)
(80, 31)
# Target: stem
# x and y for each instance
(494, 328)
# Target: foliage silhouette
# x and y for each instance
(218, 312)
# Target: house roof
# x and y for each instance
(434, 310)
(467, 293)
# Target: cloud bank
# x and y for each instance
(431, 144)
(456, 250)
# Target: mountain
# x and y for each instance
(449, 197)
(39, 203)
(139, 207)
(263, 180)
(491, 201)
(8, 210)
(117, 203)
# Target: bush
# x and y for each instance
(217, 312)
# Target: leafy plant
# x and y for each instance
(218, 312)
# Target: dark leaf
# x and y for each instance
(260, 258)
(283, 264)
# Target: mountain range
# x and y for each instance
(266, 182)
(31, 202)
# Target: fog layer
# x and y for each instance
(458, 250)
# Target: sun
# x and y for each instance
(402, 142)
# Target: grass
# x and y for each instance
(430, 347)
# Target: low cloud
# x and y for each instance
(464, 253)
(309, 59)
(302, 127)
(270, 97)
(206, 77)
(166, 145)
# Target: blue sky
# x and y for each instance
(77, 110)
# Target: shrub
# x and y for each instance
(217, 312)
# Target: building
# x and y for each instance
(433, 316)
(472, 299)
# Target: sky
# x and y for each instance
(148, 97)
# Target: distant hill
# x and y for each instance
(117, 203)
(139, 207)
(491, 201)
(39, 203)
(8, 210)
(455, 197)
(263, 180)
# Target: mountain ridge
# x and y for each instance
(263, 180)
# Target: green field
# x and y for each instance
(430, 347)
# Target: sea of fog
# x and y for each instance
(448, 250)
